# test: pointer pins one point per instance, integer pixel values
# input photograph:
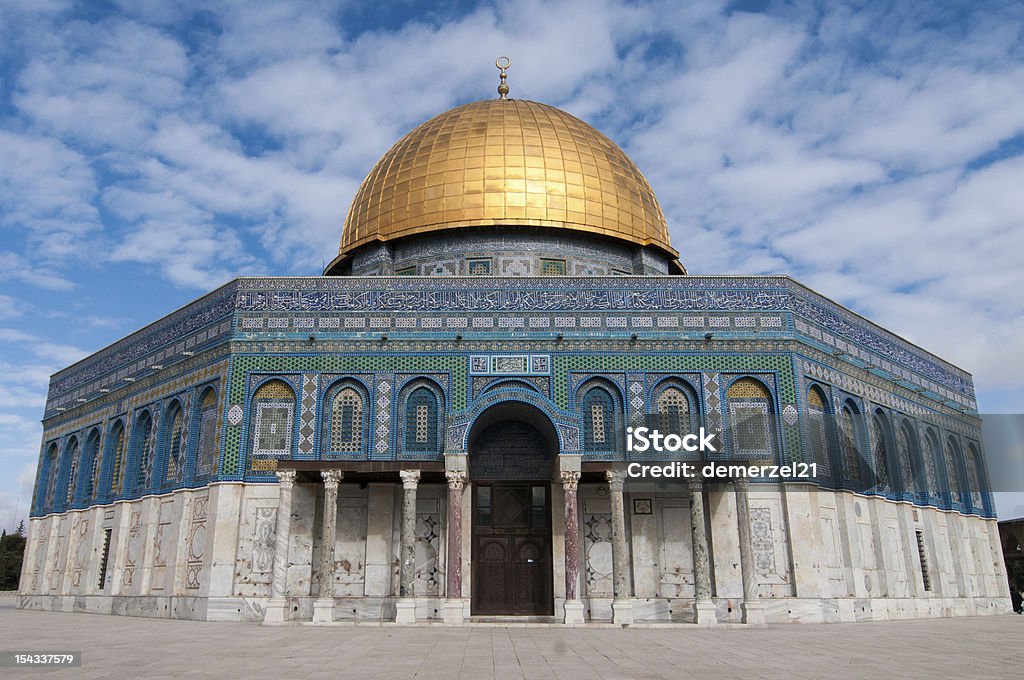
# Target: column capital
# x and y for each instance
(332, 477)
(616, 479)
(741, 484)
(286, 478)
(695, 484)
(410, 478)
(456, 479)
(570, 478)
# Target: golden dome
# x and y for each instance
(506, 162)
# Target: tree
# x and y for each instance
(12, 551)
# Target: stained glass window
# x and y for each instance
(206, 447)
(952, 470)
(905, 452)
(881, 451)
(51, 477)
(144, 445)
(347, 421)
(552, 267)
(421, 421)
(673, 411)
(851, 447)
(92, 455)
(818, 432)
(72, 472)
(175, 448)
(598, 410)
(750, 418)
(118, 451)
(275, 407)
(929, 452)
(973, 478)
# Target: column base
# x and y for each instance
(574, 610)
(405, 610)
(323, 611)
(704, 614)
(753, 613)
(276, 612)
(622, 612)
(452, 611)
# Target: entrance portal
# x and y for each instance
(510, 466)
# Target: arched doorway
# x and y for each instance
(512, 448)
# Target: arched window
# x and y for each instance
(600, 426)
(750, 410)
(953, 470)
(92, 459)
(51, 477)
(817, 431)
(880, 439)
(72, 455)
(421, 422)
(905, 445)
(274, 404)
(929, 454)
(674, 411)
(144, 444)
(973, 478)
(345, 434)
(206, 447)
(849, 440)
(116, 448)
(174, 445)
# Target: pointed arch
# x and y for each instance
(346, 425)
(50, 480)
(273, 406)
(953, 479)
(881, 450)
(974, 477)
(420, 415)
(71, 454)
(117, 451)
(850, 441)
(906, 454)
(173, 444)
(930, 452)
(205, 423)
(675, 407)
(750, 418)
(818, 431)
(93, 465)
(601, 415)
(143, 442)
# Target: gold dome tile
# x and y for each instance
(505, 162)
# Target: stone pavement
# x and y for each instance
(123, 647)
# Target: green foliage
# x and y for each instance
(12, 550)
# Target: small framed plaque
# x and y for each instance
(642, 506)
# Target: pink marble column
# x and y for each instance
(570, 479)
(456, 481)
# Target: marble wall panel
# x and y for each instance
(350, 547)
(596, 525)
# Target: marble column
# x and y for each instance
(277, 607)
(753, 609)
(573, 604)
(703, 606)
(453, 604)
(406, 606)
(323, 606)
(622, 605)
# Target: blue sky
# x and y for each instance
(150, 151)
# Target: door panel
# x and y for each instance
(511, 549)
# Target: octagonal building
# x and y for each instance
(436, 428)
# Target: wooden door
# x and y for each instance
(512, 549)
